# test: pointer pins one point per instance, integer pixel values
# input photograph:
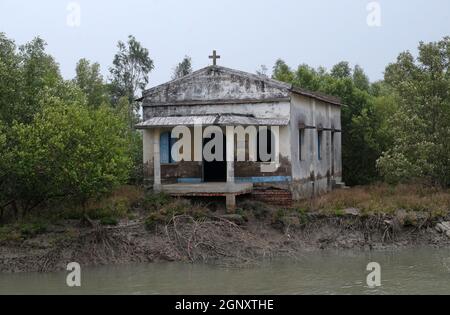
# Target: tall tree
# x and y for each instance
(69, 150)
(421, 125)
(90, 81)
(360, 78)
(24, 74)
(183, 68)
(130, 71)
(364, 139)
(40, 72)
(341, 70)
(10, 79)
(282, 72)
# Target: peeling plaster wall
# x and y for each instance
(189, 170)
(216, 83)
(218, 90)
(311, 175)
(261, 110)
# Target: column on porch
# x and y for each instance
(230, 198)
(156, 160)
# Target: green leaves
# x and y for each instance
(421, 125)
(24, 74)
(363, 120)
(183, 68)
(90, 81)
(69, 150)
(131, 66)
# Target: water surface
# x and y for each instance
(419, 271)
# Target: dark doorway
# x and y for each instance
(215, 171)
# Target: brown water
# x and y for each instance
(420, 271)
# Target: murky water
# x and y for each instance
(420, 271)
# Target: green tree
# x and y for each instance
(90, 81)
(183, 68)
(282, 72)
(363, 118)
(421, 125)
(341, 70)
(39, 72)
(68, 151)
(360, 79)
(10, 79)
(130, 71)
(3, 168)
(307, 78)
(134, 145)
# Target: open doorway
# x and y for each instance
(215, 171)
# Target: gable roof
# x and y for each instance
(256, 86)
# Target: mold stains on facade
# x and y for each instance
(238, 96)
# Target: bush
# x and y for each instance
(67, 151)
(154, 201)
(32, 229)
(109, 221)
(22, 231)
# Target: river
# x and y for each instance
(418, 271)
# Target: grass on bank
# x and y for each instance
(119, 205)
(130, 202)
(383, 199)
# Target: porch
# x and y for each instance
(229, 190)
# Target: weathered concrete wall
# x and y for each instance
(148, 156)
(216, 84)
(260, 110)
(190, 171)
(218, 90)
(311, 175)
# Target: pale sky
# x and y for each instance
(246, 33)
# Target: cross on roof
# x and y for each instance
(214, 57)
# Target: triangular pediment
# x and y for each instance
(217, 84)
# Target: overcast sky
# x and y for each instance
(246, 33)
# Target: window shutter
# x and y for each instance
(164, 148)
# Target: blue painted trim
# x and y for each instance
(264, 179)
(189, 180)
(255, 180)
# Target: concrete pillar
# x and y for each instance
(147, 137)
(156, 161)
(314, 147)
(230, 153)
(231, 203)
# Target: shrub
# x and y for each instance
(67, 151)
(109, 221)
(28, 230)
(155, 201)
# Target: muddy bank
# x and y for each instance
(227, 240)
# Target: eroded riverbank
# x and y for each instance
(220, 240)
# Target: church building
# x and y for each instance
(280, 143)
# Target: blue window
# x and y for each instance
(166, 143)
